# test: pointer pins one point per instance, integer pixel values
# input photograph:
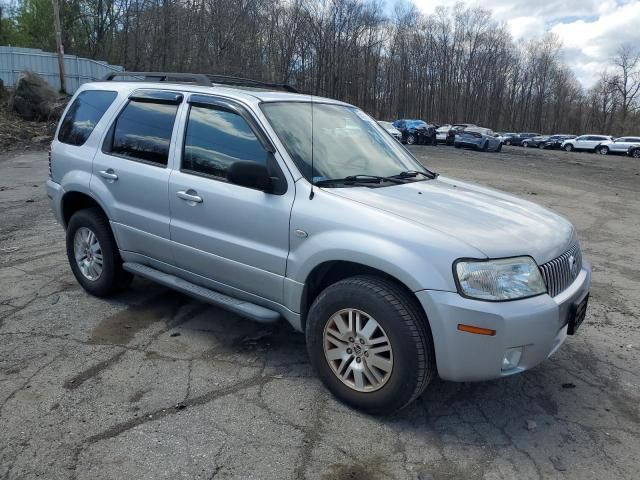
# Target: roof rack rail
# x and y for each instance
(196, 78)
(249, 82)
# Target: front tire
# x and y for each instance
(411, 139)
(568, 147)
(93, 254)
(499, 149)
(370, 343)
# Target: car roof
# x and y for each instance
(245, 94)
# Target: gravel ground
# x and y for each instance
(152, 384)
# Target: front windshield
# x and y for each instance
(344, 141)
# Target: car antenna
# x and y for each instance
(311, 194)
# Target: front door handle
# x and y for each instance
(189, 196)
(109, 174)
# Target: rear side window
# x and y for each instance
(143, 130)
(216, 138)
(83, 115)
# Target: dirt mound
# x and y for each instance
(34, 99)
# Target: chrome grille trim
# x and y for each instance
(557, 273)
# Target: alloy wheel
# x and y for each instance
(88, 253)
(358, 350)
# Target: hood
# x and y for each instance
(497, 224)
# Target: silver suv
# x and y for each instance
(281, 205)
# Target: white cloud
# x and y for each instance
(591, 30)
(525, 27)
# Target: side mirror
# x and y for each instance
(251, 175)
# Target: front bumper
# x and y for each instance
(55, 193)
(537, 324)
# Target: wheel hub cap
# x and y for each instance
(88, 253)
(358, 350)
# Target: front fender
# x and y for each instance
(412, 267)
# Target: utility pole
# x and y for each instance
(56, 22)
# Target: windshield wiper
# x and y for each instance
(415, 173)
(350, 179)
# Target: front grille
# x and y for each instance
(560, 272)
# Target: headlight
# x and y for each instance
(504, 279)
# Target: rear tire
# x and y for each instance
(603, 150)
(636, 153)
(499, 149)
(411, 139)
(399, 340)
(485, 146)
(96, 262)
(508, 142)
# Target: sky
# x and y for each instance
(590, 30)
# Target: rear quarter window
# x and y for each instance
(84, 113)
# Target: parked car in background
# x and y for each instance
(478, 138)
(393, 131)
(585, 142)
(416, 132)
(634, 151)
(503, 136)
(519, 138)
(442, 133)
(617, 145)
(455, 128)
(555, 141)
(535, 141)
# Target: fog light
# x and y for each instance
(511, 358)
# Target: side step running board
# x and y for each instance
(241, 307)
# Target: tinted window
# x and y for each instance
(143, 131)
(83, 115)
(216, 138)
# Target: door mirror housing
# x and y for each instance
(251, 175)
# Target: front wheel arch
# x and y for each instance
(328, 273)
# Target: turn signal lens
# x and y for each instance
(477, 330)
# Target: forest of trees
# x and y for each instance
(456, 65)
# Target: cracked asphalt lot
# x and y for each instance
(151, 384)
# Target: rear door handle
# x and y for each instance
(109, 174)
(189, 196)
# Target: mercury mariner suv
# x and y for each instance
(274, 204)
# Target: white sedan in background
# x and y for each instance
(619, 145)
(442, 133)
(393, 131)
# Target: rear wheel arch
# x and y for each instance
(75, 201)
